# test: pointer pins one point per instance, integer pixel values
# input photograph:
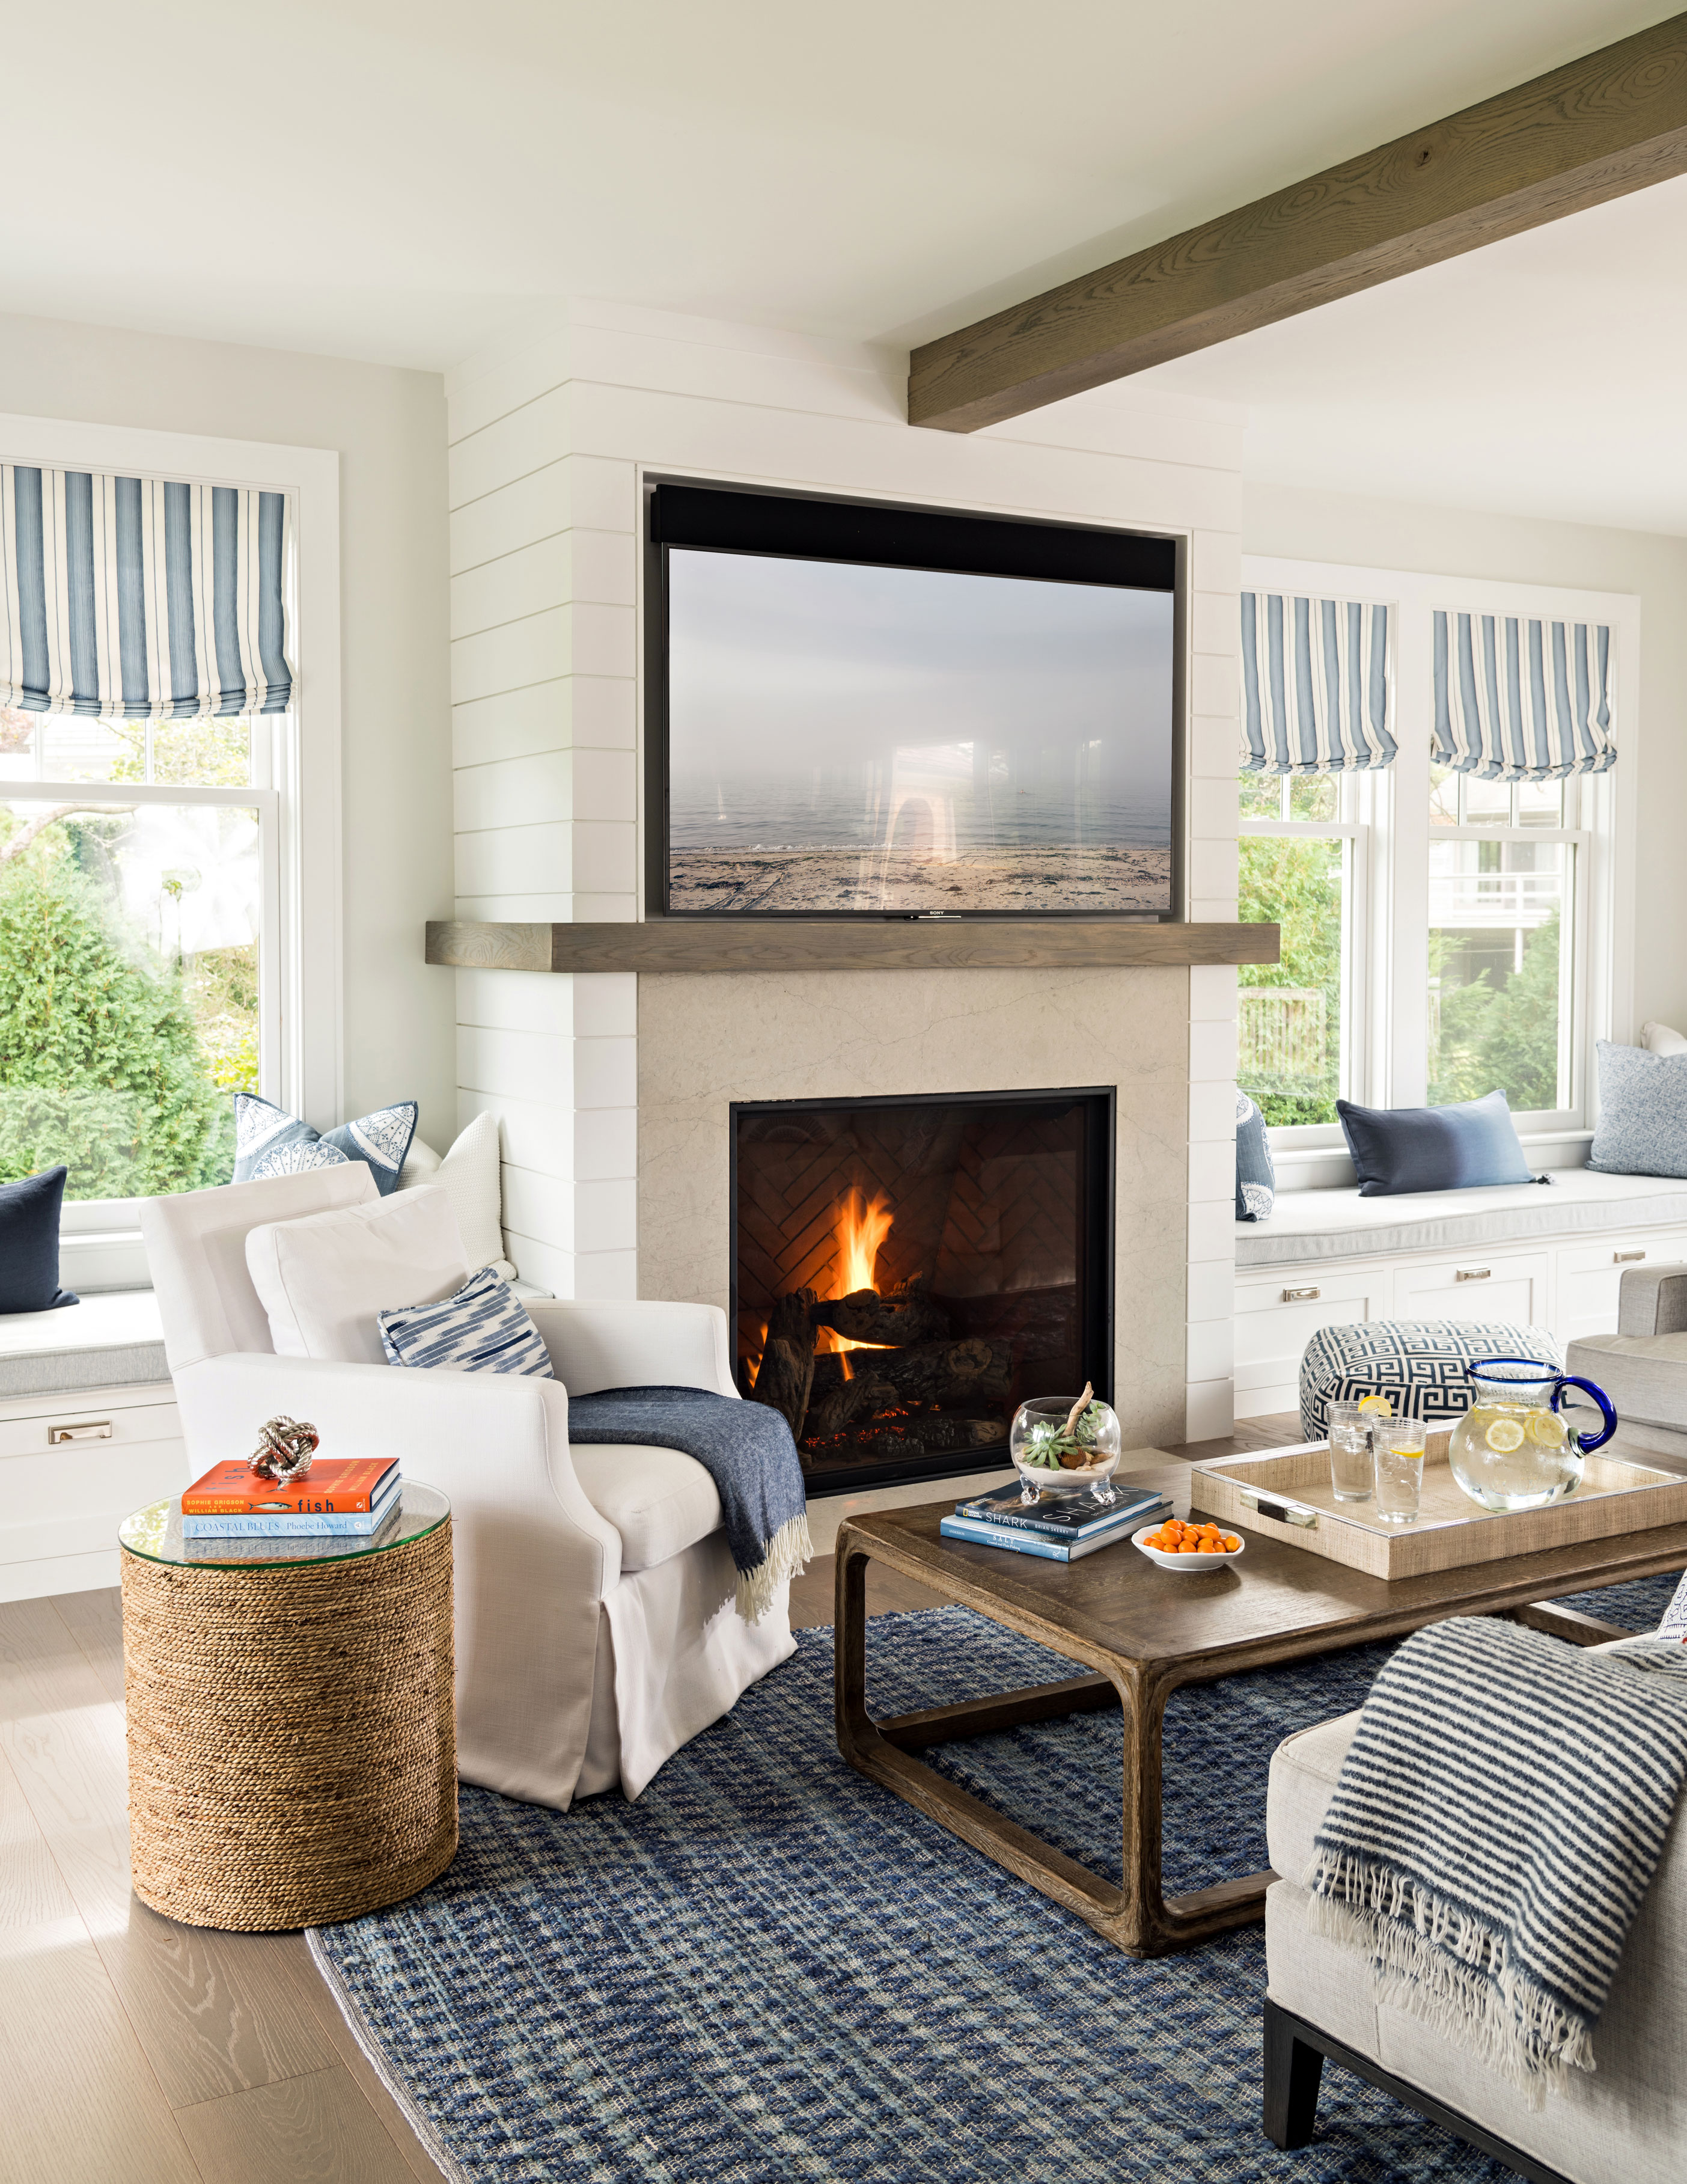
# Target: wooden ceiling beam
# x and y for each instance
(1599, 127)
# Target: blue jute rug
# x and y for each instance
(771, 1971)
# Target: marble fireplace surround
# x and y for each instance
(707, 1039)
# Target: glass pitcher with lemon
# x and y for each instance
(1513, 1449)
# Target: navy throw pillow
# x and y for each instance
(1256, 1177)
(29, 1242)
(1457, 1148)
(269, 1141)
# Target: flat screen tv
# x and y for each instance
(863, 710)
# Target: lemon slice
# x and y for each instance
(1545, 1427)
(1504, 1435)
(1377, 1405)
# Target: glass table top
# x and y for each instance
(155, 1532)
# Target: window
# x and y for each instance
(169, 885)
(1502, 929)
(1444, 933)
(1301, 857)
(137, 861)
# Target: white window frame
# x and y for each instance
(295, 782)
(1396, 913)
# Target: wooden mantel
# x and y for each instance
(674, 944)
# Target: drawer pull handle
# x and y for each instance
(1280, 1512)
(1625, 1258)
(1298, 1297)
(58, 1435)
(1473, 1274)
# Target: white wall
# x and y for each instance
(548, 442)
(388, 428)
(1652, 722)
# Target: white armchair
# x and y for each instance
(595, 1626)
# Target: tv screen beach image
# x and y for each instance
(844, 737)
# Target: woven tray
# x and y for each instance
(1286, 1494)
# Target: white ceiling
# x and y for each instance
(1544, 375)
(399, 179)
(403, 180)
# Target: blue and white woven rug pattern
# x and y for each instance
(771, 1971)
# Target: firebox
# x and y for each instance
(905, 1271)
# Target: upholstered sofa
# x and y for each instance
(1643, 1367)
(1625, 2123)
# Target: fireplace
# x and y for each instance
(905, 1271)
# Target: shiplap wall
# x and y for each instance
(549, 440)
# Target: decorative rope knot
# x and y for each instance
(285, 1448)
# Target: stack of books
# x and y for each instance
(352, 1498)
(1062, 1528)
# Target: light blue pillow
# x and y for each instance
(1256, 1176)
(1642, 1127)
(269, 1141)
(482, 1328)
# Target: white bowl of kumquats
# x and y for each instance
(1186, 1545)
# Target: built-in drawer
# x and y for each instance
(71, 1501)
(1480, 1285)
(1590, 1275)
(1278, 1315)
(87, 1422)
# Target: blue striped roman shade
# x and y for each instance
(1519, 700)
(1315, 684)
(130, 598)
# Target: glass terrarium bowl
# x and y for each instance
(1065, 1444)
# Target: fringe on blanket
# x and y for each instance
(1436, 1963)
(788, 1551)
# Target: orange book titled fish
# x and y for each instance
(347, 1486)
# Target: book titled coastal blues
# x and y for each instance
(351, 1497)
(1061, 1529)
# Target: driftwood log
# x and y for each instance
(897, 1316)
(786, 1373)
(846, 1403)
(969, 1371)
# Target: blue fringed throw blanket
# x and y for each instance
(1496, 1825)
(746, 1449)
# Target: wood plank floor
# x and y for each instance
(141, 2052)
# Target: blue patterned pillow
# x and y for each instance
(269, 1141)
(1256, 1176)
(482, 1328)
(1642, 1126)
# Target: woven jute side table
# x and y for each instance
(292, 1745)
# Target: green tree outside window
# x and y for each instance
(114, 1059)
(1289, 1012)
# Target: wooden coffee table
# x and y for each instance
(1142, 1632)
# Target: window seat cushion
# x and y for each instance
(107, 1341)
(1309, 1226)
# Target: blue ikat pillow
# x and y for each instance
(482, 1328)
(269, 1141)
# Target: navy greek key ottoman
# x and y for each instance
(1418, 1364)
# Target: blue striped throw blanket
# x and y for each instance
(1496, 1824)
(746, 1449)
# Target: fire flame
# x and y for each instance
(863, 1224)
(862, 1228)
